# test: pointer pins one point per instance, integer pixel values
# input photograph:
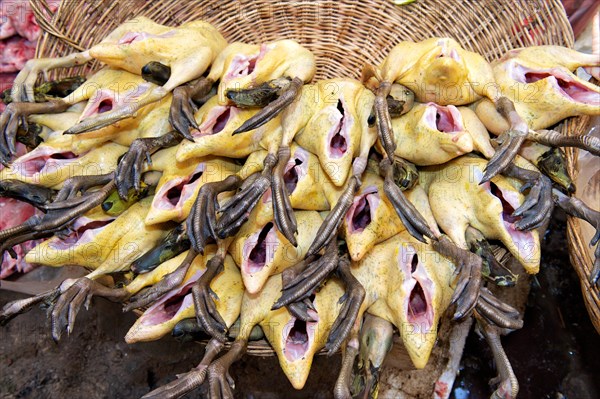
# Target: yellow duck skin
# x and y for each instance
(176, 305)
(541, 83)
(458, 200)
(180, 182)
(103, 244)
(260, 250)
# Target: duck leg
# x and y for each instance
(206, 312)
(341, 389)
(191, 380)
(282, 206)
(511, 140)
(130, 168)
(16, 113)
(74, 294)
(508, 385)
(352, 300)
(201, 224)
(32, 194)
(575, 207)
(496, 312)
(274, 108)
(236, 211)
(15, 308)
(306, 282)
(221, 383)
(467, 290)
(412, 220)
(63, 210)
(183, 106)
(538, 206)
(555, 139)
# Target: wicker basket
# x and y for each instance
(343, 35)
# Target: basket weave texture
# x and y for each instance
(344, 35)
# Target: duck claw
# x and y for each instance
(409, 215)
(577, 208)
(202, 220)
(310, 278)
(20, 306)
(328, 229)
(283, 212)
(166, 284)
(190, 380)
(511, 143)
(64, 310)
(131, 165)
(496, 312)
(300, 310)
(236, 211)
(468, 265)
(206, 312)
(221, 383)
(538, 205)
(16, 114)
(352, 301)
(183, 108)
(273, 109)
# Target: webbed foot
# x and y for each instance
(496, 312)
(510, 141)
(183, 107)
(74, 294)
(16, 114)
(575, 207)
(130, 168)
(282, 207)
(273, 109)
(206, 312)
(221, 383)
(537, 207)
(352, 301)
(411, 218)
(166, 284)
(468, 266)
(237, 210)
(341, 389)
(202, 220)
(306, 282)
(190, 380)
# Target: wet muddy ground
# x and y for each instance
(555, 355)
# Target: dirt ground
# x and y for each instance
(555, 354)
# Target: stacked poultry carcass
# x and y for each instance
(286, 209)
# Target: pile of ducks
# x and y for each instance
(230, 196)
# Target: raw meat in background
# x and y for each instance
(15, 52)
(17, 17)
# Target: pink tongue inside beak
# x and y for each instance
(174, 194)
(35, 165)
(105, 105)
(222, 121)
(296, 343)
(258, 254)
(571, 89)
(444, 121)
(79, 236)
(338, 145)
(290, 177)
(362, 214)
